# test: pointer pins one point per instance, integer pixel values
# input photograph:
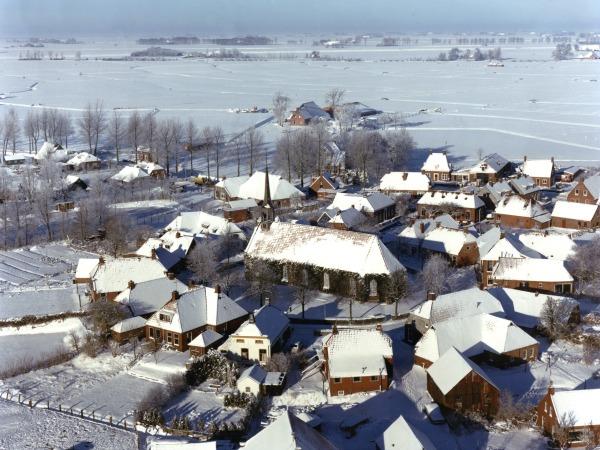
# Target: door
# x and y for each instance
(245, 353)
(262, 355)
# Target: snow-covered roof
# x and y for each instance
(280, 189)
(310, 110)
(492, 163)
(200, 223)
(532, 269)
(367, 203)
(496, 191)
(51, 151)
(575, 211)
(132, 323)
(343, 250)
(436, 162)
(412, 232)
(149, 296)
(451, 368)
(82, 158)
(114, 274)
(404, 182)
(206, 338)
(472, 335)
(508, 246)
(552, 245)
(86, 267)
(72, 179)
(593, 185)
(166, 257)
(583, 403)
(232, 185)
(247, 203)
(400, 435)
(196, 308)
(468, 302)
(349, 217)
(514, 205)
(267, 321)
(455, 199)
(447, 240)
(538, 168)
(524, 308)
(289, 432)
(524, 185)
(129, 174)
(335, 156)
(150, 167)
(255, 372)
(357, 352)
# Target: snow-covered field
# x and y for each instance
(39, 302)
(532, 105)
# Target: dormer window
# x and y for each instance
(165, 317)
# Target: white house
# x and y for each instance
(400, 435)
(251, 380)
(413, 183)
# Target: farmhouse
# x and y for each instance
(411, 183)
(457, 383)
(541, 170)
(240, 210)
(375, 204)
(569, 174)
(581, 405)
(465, 303)
(153, 169)
(491, 168)
(437, 167)
(307, 113)
(576, 216)
(401, 435)
(516, 212)
(481, 337)
(251, 380)
(147, 297)
(492, 193)
(265, 330)
(542, 275)
(346, 263)
(461, 206)
(586, 191)
(283, 193)
(169, 249)
(357, 360)
(189, 314)
(459, 246)
(83, 161)
(130, 174)
(496, 244)
(324, 186)
(113, 275)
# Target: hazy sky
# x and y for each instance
(154, 17)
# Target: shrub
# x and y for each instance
(212, 365)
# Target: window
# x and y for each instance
(523, 284)
(325, 281)
(373, 288)
(169, 337)
(340, 392)
(337, 380)
(241, 341)
(544, 181)
(584, 193)
(176, 339)
(165, 317)
(188, 337)
(576, 191)
(258, 341)
(356, 379)
(248, 389)
(262, 355)
(524, 354)
(374, 378)
(156, 333)
(284, 276)
(531, 352)
(540, 285)
(245, 353)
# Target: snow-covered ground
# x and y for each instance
(40, 302)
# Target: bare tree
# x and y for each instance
(320, 136)
(166, 136)
(366, 150)
(134, 130)
(10, 131)
(191, 133)
(74, 341)
(99, 123)
(280, 106)
(91, 125)
(399, 146)
(584, 264)
(32, 129)
(117, 130)
(104, 314)
(435, 272)
(397, 288)
(283, 155)
(202, 260)
(177, 130)
(150, 129)
(566, 423)
(116, 233)
(238, 148)
(218, 138)
(207, 144)
(555, 317)
(253, 139)
(44, 203)
(334, 98)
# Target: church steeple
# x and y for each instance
(267, 210)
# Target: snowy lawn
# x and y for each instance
(40, 302)
(35, 342)
(162, 365)
(22, 427)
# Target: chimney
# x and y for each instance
(431, 295)
(130, 284)
(502, 234)
(170, 275)
(537, 293)
(191, 284)
(421, 227)
(334, 330)
(218, 291)
(550, 389)
(174, 295)
(405, 175)
(100, 260)
(524, 158)
(379, 327)
(251, 318)
(153, 253)
(552, 159)
(177, 234)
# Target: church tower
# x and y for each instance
(267, 211)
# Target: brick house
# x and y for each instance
(411, 183)
(85, 270)
(533, 274)
(324, 186)
(346, 263)
(459, 246)
(153, 169)
(581, 404)
(348, 219)
(256, 339)
(586, 191)
(373, 204)
(147, 297)
(306, 113)
(517, 212)
(334, 159)
(126, 329)
(540, 170)
(461, 206)
(240, 210)
(578, 216)
(205, 341)
(491, 168)
(437, 167)
(569, 174)
(83, 161)
(189, 314)
(457, 383)
(481, 337)
(357, 360)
